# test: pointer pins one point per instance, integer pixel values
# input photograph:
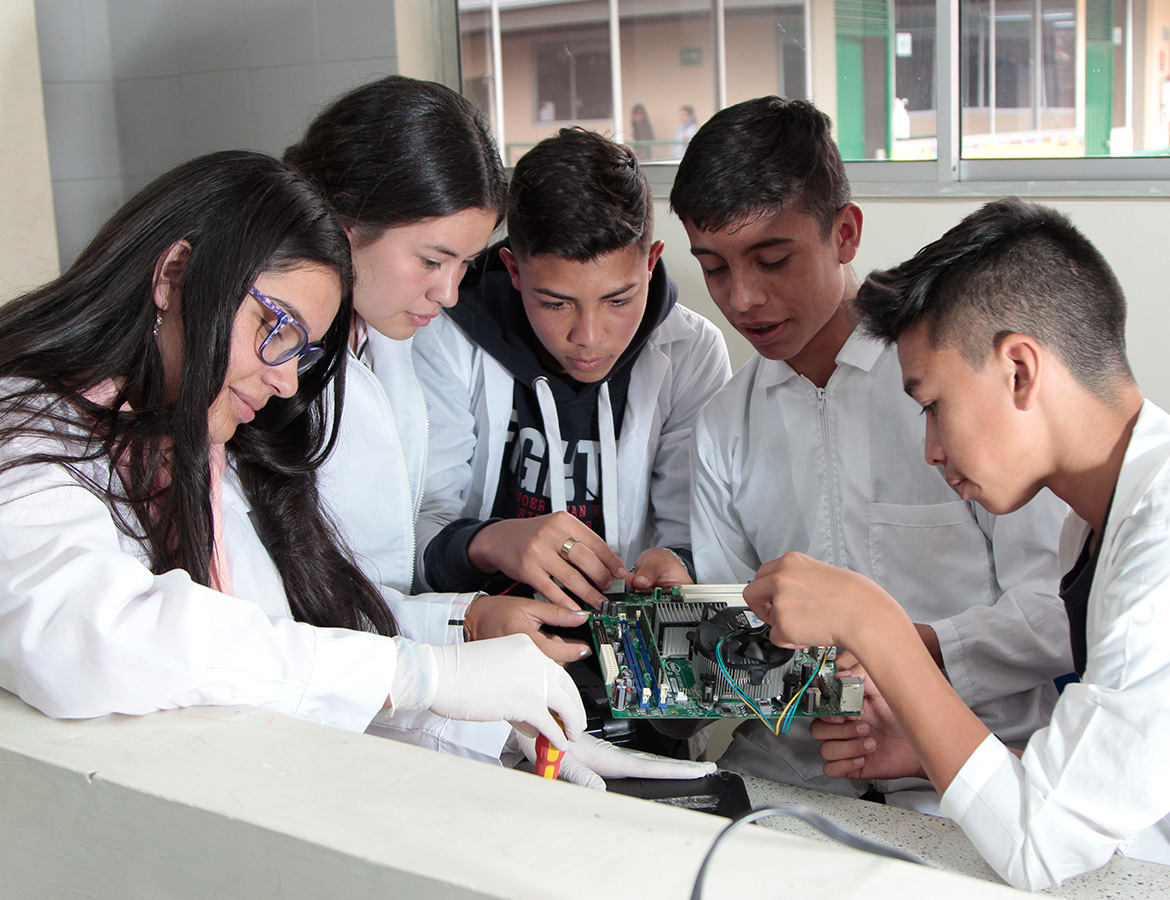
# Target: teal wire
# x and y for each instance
(735, 687)
(786, 724)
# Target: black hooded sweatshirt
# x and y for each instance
(491, 314)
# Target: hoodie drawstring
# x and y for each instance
(556, 454)
(552, 437)
(608, 465)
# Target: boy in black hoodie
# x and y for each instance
(568, 336)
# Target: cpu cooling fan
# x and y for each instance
(746, 648)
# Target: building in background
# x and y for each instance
(1036, 78)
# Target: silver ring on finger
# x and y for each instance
(566, 547)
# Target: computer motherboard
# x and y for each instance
(696, 652)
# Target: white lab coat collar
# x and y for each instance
(860, 351)
(1145, 458)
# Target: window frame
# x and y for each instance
(949, 175)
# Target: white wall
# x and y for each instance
(28, 242)
(133, 87)
(1133, 234)
(80, 118)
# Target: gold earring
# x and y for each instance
(157, 322)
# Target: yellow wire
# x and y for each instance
(775, 729)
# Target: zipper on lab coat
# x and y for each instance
(830, 476)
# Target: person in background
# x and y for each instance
(687, 126)
(413, 227)
(642, 132)
(809, 446)
(162, 417)
(1010, 333)
(562, 389)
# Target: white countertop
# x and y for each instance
(941, 843)
(235, 802)
(241, 803)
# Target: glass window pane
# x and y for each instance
(870, 64)
(1058, 78)
(768, 50)
(668, 74)
(914, 110)
(572, 80)
(556, 70)
(885, 79)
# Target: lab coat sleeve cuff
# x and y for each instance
(459, 606)
(415, 678)
(351, 678)
(969, 783)
(430, 618)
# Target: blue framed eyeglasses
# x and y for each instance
(286, 339)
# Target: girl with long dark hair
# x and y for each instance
(414, 174)
(162, 415)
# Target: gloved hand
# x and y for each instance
(508, 679)
(589, 761)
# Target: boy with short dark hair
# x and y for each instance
(812, 446)
(1010, 335)
(562, 390)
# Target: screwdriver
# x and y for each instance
(548, 757)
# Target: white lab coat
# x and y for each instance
(372, 485)
(86, 629)
(838, 473)
(683, 362)
(1096, 778)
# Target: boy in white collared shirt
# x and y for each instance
(1010, 332)
(813, 447)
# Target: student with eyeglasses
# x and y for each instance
(164, 406)
(284, 337)
(413, 172)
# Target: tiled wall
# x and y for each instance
(133, 87)
(28, 236)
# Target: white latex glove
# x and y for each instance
(507, 679)
(589, 761)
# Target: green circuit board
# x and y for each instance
(652, 668)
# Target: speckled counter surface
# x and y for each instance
(941, 843)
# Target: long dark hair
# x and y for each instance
(242, 214)
(397, 151)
